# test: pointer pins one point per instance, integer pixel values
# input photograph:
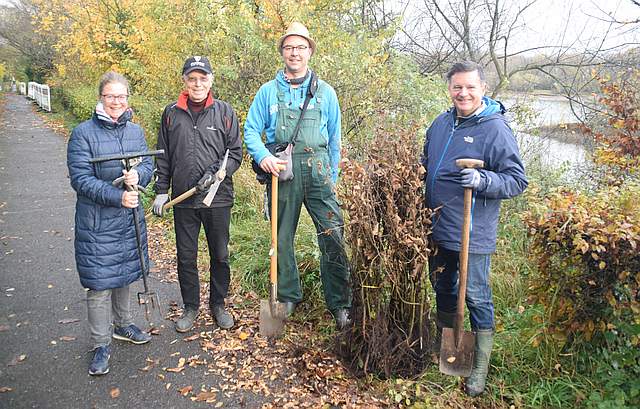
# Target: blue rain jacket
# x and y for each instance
(263, 115)
(487, 137)
(105, 241)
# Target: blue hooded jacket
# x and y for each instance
(105, 242)
(263, 115)
(485, 136)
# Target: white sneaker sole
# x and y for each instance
(121, 338)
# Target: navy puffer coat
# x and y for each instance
(105, 240)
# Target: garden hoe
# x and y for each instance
(272, 312)
(458, 346)
(149, 299)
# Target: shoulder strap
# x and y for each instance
(311, 91)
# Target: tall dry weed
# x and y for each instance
(388, 235)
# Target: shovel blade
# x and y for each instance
(151, 304)
(457, 360)
(272, 319)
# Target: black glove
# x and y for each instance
(205, 181)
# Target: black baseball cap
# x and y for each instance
(197, 63)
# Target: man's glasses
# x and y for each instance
(111, 98)
(290, 48)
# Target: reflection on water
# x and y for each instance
(550, 110)
(551, 151)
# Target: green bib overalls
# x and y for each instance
(311, 185)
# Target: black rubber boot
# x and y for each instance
(476, 382)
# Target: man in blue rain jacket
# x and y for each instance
(475, 127)
(275, 111)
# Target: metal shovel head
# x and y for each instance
(457, 361)
(272, 322)
(151, 304)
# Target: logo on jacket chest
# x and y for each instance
(468, 139)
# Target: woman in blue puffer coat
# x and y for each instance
(105, 243)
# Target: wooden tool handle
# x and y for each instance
(273, 270)
(470, 163)
(179, 199)
(463, 261)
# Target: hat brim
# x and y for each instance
(191, 69)
(309, 39)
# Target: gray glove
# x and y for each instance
(472, 179)
(160, 201)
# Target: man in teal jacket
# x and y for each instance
(275, 111)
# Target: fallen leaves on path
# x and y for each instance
(67, 338)
(16, 360)
(296, 371)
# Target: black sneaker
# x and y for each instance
(223, 318)
(187, 320)
(132, 334)
(100, 362)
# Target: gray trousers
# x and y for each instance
(105, 308)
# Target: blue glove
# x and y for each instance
(472, 179)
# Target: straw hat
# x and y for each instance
(297, 29)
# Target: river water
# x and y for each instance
(549, 110)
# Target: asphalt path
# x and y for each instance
(44, 337)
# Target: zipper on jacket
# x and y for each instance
(444, 151)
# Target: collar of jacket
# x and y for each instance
(184, 95)
(104, 120)
(285, 84)
(491, 107)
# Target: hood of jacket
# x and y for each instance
(491, 107)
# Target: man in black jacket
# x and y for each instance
(195, 133)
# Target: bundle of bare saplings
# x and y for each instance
(388, 234)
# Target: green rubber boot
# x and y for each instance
(476, 382)
(443, 320)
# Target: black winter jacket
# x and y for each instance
(194, 145)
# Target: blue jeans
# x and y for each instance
(479, 299)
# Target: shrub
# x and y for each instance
(387, 234)
(586, 248)
(80, 100)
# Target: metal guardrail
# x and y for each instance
(41, 94)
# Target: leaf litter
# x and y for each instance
(296, 371)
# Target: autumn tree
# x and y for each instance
(147, 40)
(18, 32)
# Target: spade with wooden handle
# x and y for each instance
(458, 346)
(272, 312)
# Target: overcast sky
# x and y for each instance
(585, 21)
(578, 23)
